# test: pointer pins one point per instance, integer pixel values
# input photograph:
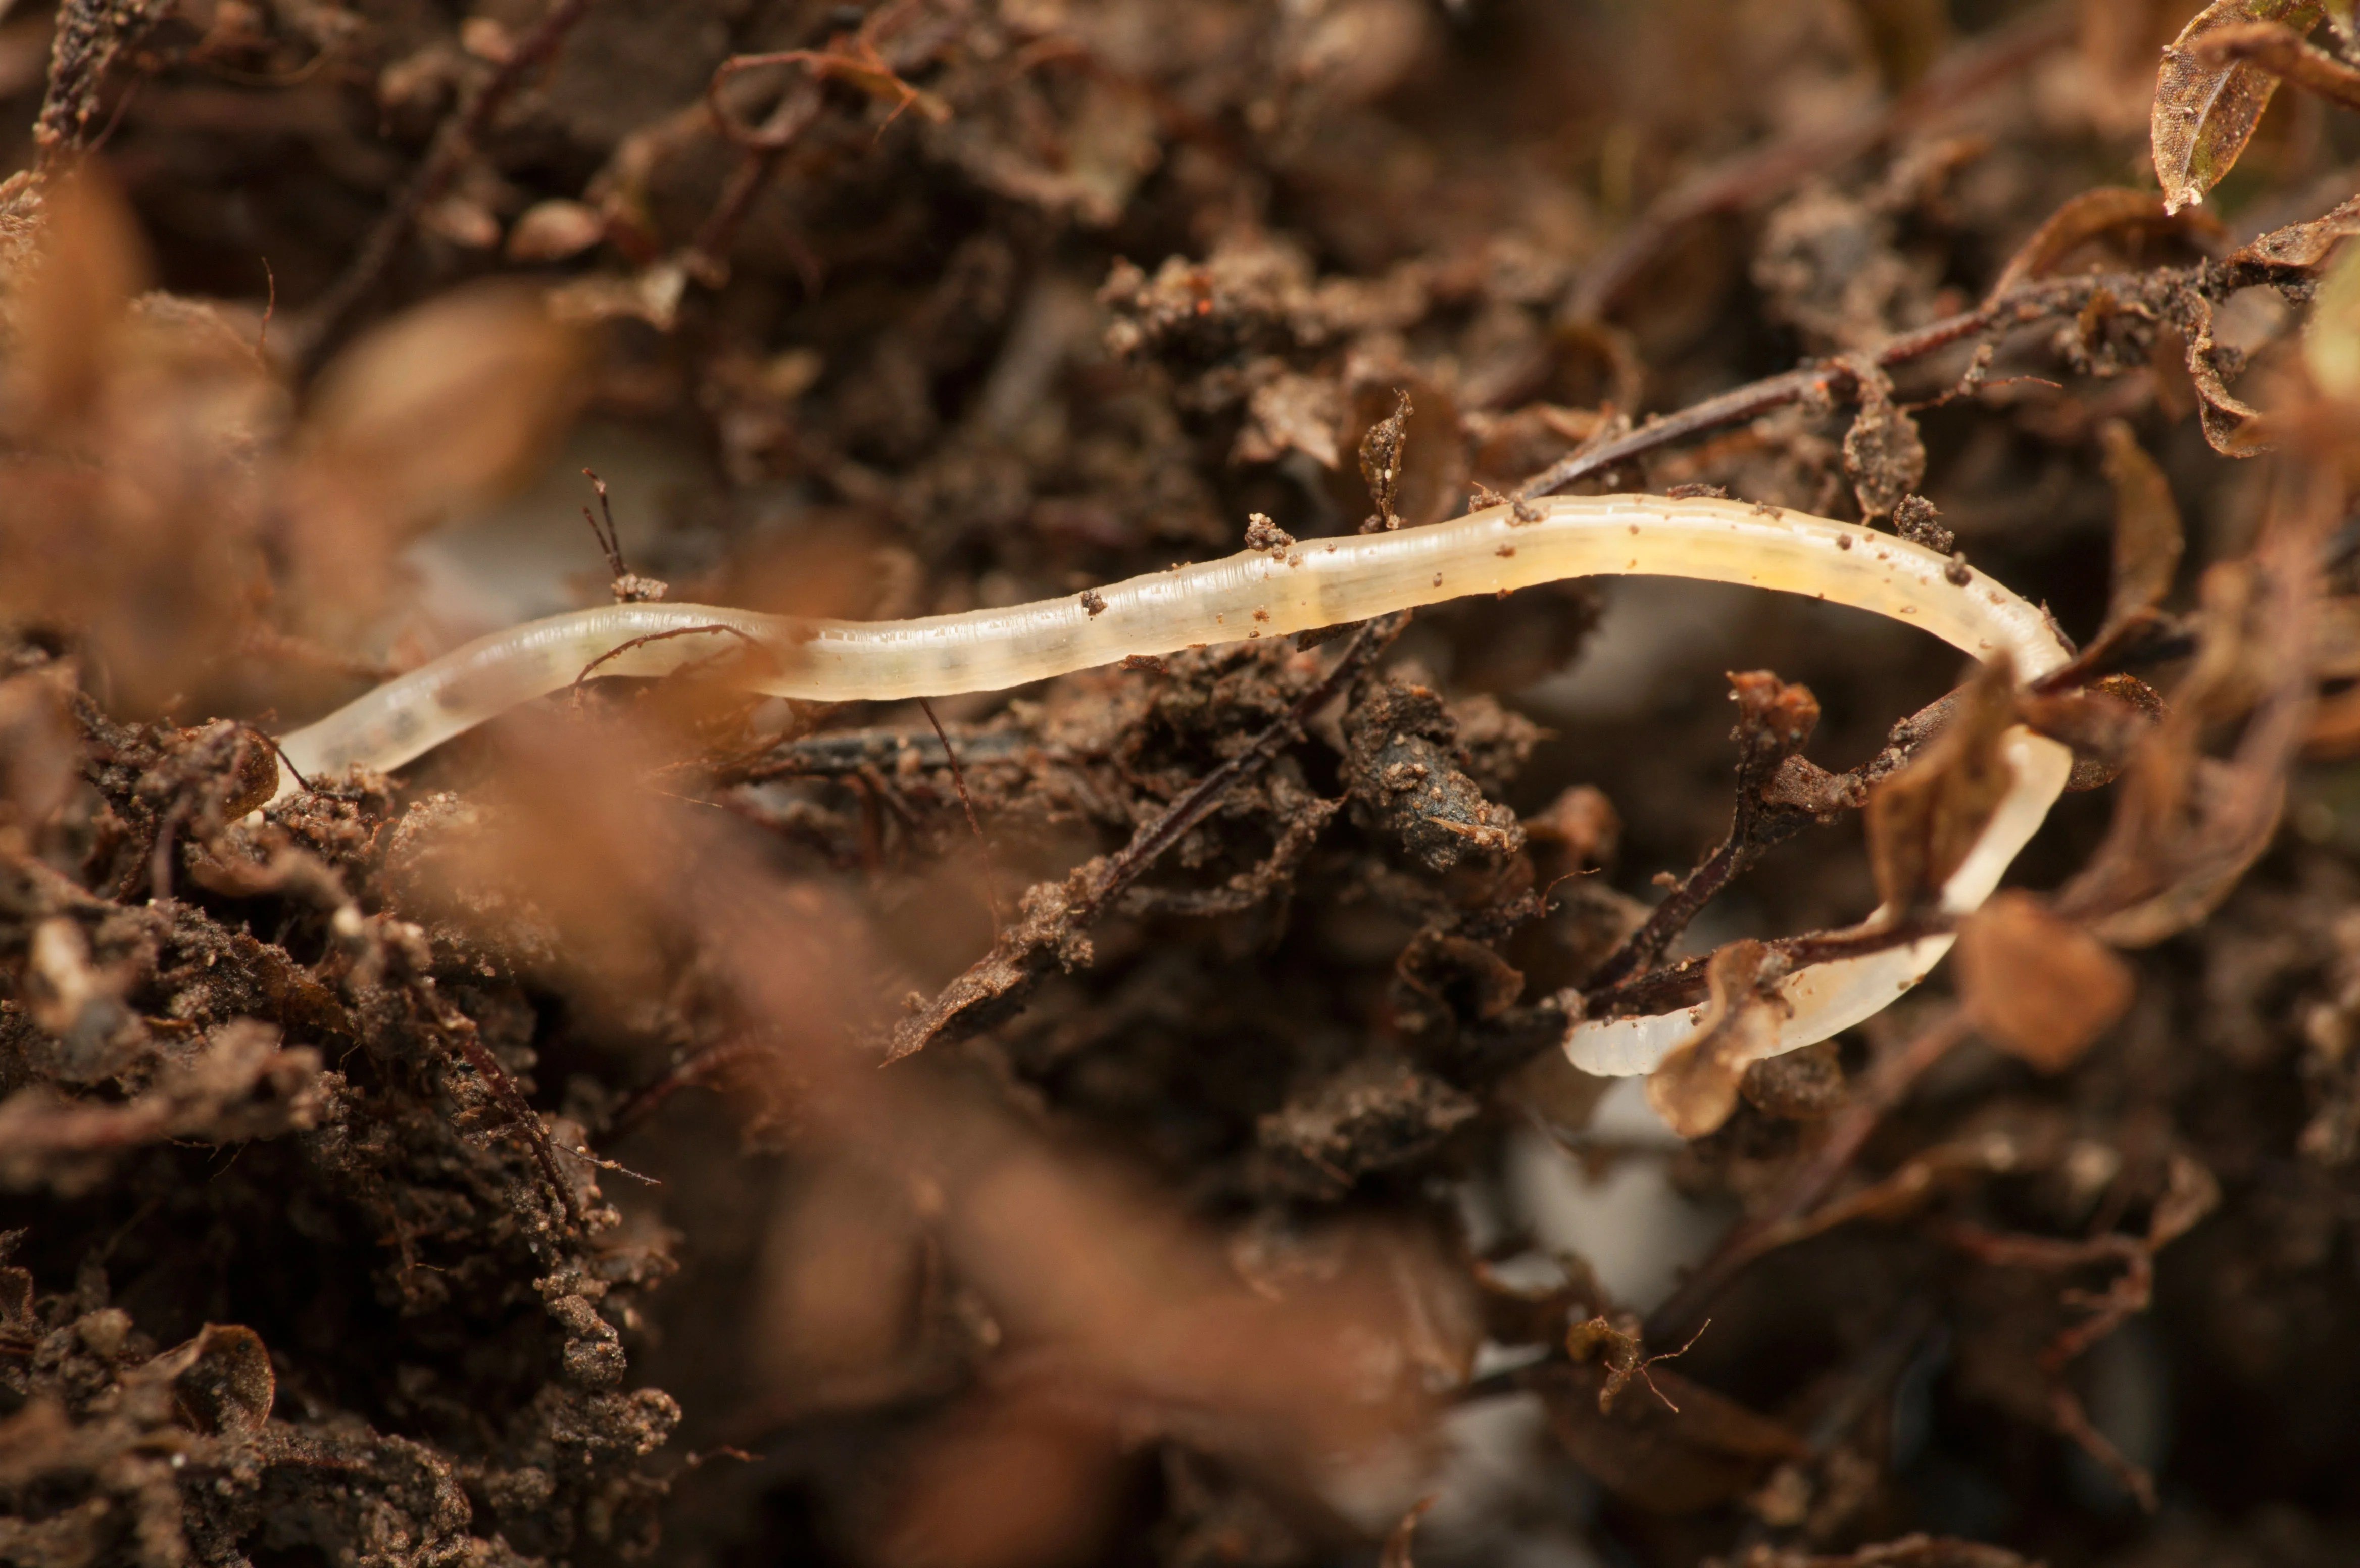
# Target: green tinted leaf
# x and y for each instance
(2204, 114)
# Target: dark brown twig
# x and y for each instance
(620, 649)
(966, 803)
(505, 1093)
(1837, 377)
(1774, 722)
(610, 541)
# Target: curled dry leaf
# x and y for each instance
(2089, 216)
(2147, 535)
(2103, 722)
(2040, 988)
(222, 1381)
(2234, 427)
(1923, 820)
(2302, 245)
(68, 315)
(37, 757)
(1686, 1451)
(1694, 1088)
(2205, 113)
(442, 408)
(2186, 826)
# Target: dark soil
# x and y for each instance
(1099, 1122)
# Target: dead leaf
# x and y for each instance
(37, 747)
(449, 403)
(2103, 722)
(222, 1381)
(1923, 820)
(2234, 427)
(2147, 537)
(2040, 988)
(2204, 114)
(2186, 826)
(1694, 1088)
(90, 262)
(1654, 1456)
(2281, 52)
(2088, 217)
(2304, 245)
(443, 408)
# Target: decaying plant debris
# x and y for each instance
(1084, 1123)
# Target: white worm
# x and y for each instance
(1314, 584)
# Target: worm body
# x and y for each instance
(1313, 584)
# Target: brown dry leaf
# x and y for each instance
(2040, 988)
(2234, 427)
(1923, 820)
(2103, 722)
(1005, 1483)
(222, 1381)
(2282, 53)
(443, 408)
(71, 312)
(2147, 536)
(2086, 217)
(1694, 1089)
(2186, 824)
(37, 747)
(2204, 114)
(2302, 244)
(1681, 1454)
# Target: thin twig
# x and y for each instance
(620, 649)
(966, 803)
(1796, 386)
(505, 1093)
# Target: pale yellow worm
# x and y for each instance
(1315, 583)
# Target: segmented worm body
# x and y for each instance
(1313, 584)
